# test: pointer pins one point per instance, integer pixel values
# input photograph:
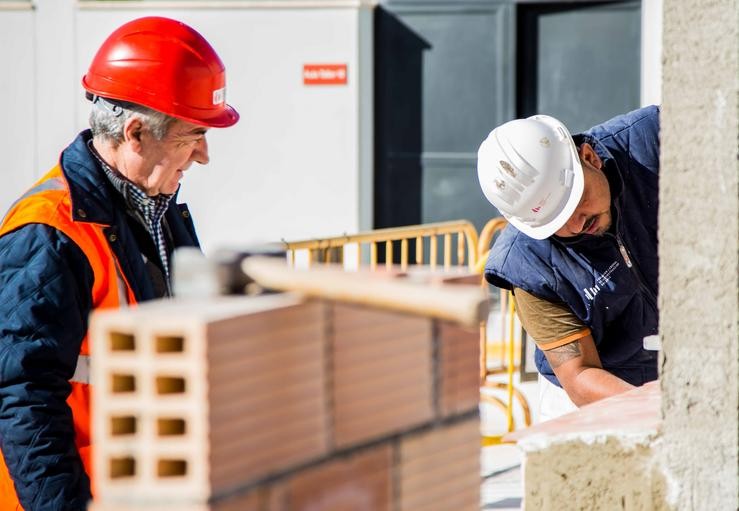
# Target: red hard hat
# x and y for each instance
(165, 65)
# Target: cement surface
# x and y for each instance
(698, 237)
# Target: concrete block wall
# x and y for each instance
(272, 403)
(602, 456)
(699, 253)
(567, 476)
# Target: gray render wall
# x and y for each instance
(699, 249)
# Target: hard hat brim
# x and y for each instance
(227, 118)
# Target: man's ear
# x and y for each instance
(132, 132)
(588, 154)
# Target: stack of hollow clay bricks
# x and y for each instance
(281, 403)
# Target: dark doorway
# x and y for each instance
(579, 62)
(448, 72)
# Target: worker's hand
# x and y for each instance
(579, 370)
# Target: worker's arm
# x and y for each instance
(578, 368)
(45, 298)
(569, 347)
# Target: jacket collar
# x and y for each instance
(91, 193)
(610, 167)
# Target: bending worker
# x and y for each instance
(580, 250)
(97, 231)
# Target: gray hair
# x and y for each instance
(107, 119)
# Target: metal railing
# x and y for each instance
(459, 244)
(505, 344)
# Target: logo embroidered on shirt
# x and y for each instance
(600, 282)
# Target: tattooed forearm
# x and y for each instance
(560, 355)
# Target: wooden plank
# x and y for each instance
(459, 303)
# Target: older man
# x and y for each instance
(97, 231)
(580, 252)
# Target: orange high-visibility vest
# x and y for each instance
(49, 202)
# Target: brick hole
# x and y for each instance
(122, 467)
(124, 425)
(123, 383)
(171, 468)
(170, 344)
(171, 427)
(122, 342)
(170, 385)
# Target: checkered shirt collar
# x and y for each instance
(148, 210)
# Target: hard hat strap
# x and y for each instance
(101, 102)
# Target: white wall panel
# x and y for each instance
(290, 167)
(17, 87)
(57, 80)
(297, 165)
(651, 52)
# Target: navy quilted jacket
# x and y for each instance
(610, 281)
(45, 301)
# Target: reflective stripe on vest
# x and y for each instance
(55, 183)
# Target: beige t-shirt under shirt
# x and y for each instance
(550, 324)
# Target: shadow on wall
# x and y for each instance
(398, 121)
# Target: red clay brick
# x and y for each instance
(389, 389)
(251, 397)
(440, 469)
(459, 352)
(360, 482)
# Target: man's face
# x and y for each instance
(163, 162)
(593, 214)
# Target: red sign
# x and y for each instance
(324, 74)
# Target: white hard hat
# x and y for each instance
(529, 169)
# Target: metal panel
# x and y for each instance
(450, 190)
(447, 73)
(444, 77)
(467, 76)
(579, 62)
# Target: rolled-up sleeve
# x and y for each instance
(550, 324)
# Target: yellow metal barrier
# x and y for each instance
(505, 347)
(485, 239)
(461, 247)
(459, 233)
